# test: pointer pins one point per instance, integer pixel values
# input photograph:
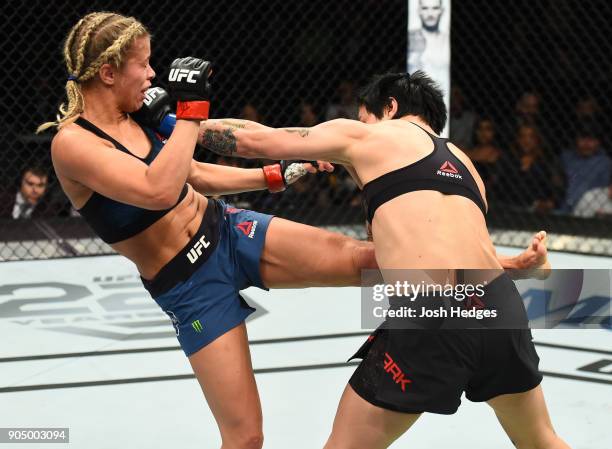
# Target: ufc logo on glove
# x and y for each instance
(152, 94)
(179, 74)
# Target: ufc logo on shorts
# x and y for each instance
(179, 74)
(395, 371)
(151, 94)
(195, 252)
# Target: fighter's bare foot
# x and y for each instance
(534, 260)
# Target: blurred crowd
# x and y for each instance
(523, 163)
(526, 165)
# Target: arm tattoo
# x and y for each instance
(220, 142)
(234, 124)
(302, 132)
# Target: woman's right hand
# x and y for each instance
(188, 83)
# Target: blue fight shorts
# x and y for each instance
(199, 288)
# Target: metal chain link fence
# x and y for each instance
(530, 102)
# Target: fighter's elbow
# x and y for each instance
(165, 200)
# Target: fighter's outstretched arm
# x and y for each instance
(331, 141)
(214, 179)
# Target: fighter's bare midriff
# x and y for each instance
(156, 245)
(423, 229)
(426, 229)
(159, 243)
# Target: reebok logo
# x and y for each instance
(396, 372)
(195, 252)
(179, 74)
(248, 228)
(151, 94)
(449, 171)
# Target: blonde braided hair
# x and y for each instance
(98, 38)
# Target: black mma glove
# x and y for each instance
(188, 83)
(155, 108)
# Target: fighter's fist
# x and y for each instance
(279, 176)
(188, 83)
(155, 108)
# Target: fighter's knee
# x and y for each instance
(252, 440)
(244, 440)
(242, 434)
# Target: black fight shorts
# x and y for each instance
(427, 370)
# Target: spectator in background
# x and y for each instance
(588, 114)
(486, 152)
(527, 111)
(526, 175)
(586, 167)
(461, 121)
(308, 115)
(250, 112)
(28, 201)
(346, 103)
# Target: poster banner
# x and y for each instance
(429, 42)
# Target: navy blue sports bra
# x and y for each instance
(441, 171)
(114, 221)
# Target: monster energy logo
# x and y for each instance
(197, 326)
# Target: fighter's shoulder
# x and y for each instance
(71, 139)
(72, 133)
(347, 127)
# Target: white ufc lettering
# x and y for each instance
(179, 74)
(151, 94)
(195, 252)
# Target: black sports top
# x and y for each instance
(441, 171)
(114, 221)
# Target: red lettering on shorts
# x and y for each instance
(232, 210)
(396, 372)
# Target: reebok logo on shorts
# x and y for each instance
(448, 170)
(396, 372)
(248, 228)
(195, 252)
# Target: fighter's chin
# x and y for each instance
(135, 106)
